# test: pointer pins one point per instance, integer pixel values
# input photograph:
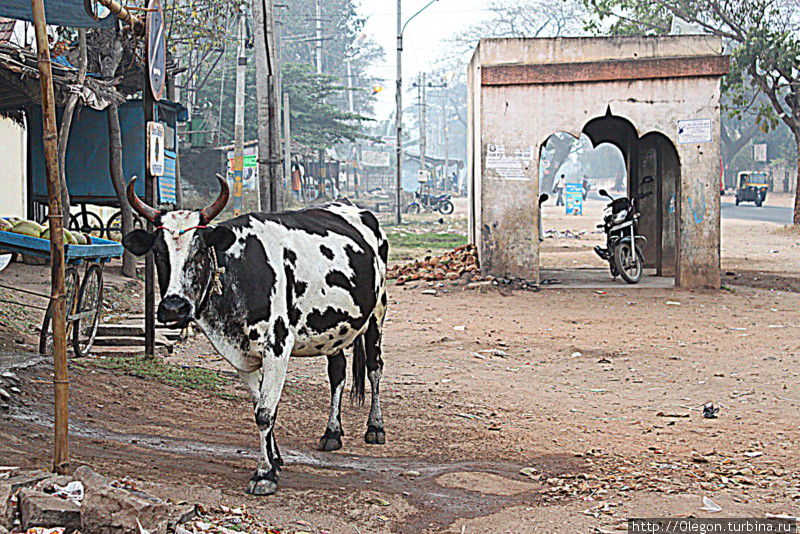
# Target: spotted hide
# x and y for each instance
(267, 286)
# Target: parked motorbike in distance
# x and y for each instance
(623, 250)
(428, 202)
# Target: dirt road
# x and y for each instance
(600, 394)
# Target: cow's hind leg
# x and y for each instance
(372, 345)
(332, 439)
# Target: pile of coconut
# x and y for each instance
(34, 229)
(459, 263)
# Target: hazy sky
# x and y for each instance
(422, 40)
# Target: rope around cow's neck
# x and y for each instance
(214, 286)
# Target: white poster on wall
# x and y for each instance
(694, 131)
(509, 164)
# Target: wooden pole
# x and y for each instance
(150, 198)
(57, 290)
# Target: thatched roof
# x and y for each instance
(19, 82)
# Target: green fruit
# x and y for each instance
(28, 228)
(69, 239)
(5, 225)
(80, 238)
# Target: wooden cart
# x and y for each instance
(84, 295)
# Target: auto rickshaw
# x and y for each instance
(752, 187)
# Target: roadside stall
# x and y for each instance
(87, 165)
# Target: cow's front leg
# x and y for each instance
(273, 375)
(332, 439)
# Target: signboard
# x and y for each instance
(166, 183)
(156, 49)
(574, 198)
(422, 176)
(155, 148)
(373, 158)
(760, 152)
(249, 168)
(694, 131)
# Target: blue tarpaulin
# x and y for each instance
(57, 12)
(87, 165)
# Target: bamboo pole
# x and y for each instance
(122, 13)
(57, 291)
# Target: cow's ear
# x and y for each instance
(220, 237)
(138, 242)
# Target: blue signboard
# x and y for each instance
(166, 183)
(574, 198)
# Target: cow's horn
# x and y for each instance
(213, 210)
(140, 207)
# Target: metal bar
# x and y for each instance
(58, 291)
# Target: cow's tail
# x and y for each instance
(359, 370)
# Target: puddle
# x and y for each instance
(440, 492)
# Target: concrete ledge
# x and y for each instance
(604, 71)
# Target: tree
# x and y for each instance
(511, 18)
(316, 122)
(525, 18)
(342, 41)
(763, 36)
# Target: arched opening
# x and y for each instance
(610, 154)
(568, 232)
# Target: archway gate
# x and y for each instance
(656, 98)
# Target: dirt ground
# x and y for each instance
(596, 396)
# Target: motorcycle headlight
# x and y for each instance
(619, 217)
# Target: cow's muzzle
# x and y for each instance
(174, 310)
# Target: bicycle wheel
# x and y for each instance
(46, 335)
(87, 311)
(114, 226)
(87, 222)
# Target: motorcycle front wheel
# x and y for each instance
(629, 262)
(446, 207)
(413, 208)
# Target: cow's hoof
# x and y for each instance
(262, 486)
(375, 435)
(330, 441)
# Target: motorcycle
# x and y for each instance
(623, 250)
(440, 203)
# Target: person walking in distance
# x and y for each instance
(297, 181)
(558, 189)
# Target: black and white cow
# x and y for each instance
(267, 286)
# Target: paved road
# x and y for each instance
(750, 212)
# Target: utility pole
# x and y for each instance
(287, 138)
(351, 108)
(446, 132)
(423, 127)
(238, 123)
(222, 81)
(399, 117)
(318, 39)
(399, 102)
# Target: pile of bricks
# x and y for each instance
(462, 262)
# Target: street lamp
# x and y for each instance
(401, 27)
